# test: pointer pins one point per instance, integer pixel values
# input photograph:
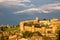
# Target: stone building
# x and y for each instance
(45, 27)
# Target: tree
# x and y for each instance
(27, 34)
(58, 35)
(2, 38)
(37, 33)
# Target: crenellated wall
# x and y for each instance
(51, 29)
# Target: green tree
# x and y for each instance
(2, 38)
(58, 35)
(37, 33)
(27, 34)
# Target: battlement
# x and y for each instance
(42, 26)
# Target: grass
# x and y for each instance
(12, 29)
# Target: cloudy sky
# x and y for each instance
(11, 8)
(19, 6)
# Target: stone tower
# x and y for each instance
(36, 18)
(21, 26)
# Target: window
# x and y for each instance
(49, 32)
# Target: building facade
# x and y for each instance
(45, 27)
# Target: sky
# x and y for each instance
(10, 9)
(19, 6)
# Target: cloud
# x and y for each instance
(10, 3)
(25, 1)
(2, 0)
(28, 10)
(15, 0)
(43, 9)
(32, 10)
